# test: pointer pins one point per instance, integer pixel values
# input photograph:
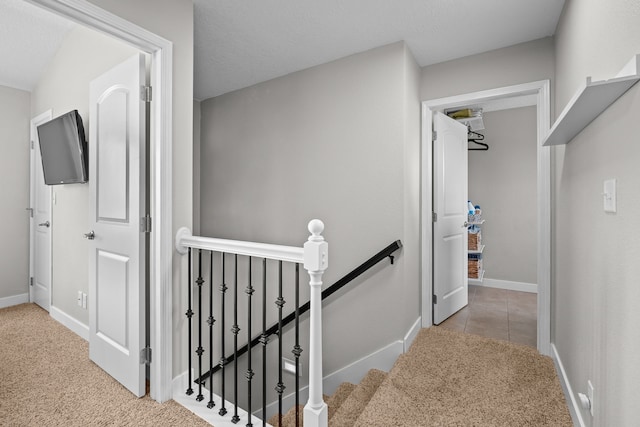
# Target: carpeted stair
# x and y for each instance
(450, 378)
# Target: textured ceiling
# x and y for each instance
(29, 37)
(243, 42)
(239, 43)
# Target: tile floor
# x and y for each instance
(498, 313)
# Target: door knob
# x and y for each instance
(90, 235)
(465, 225)
(45, 224)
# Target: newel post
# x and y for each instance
(316, 260)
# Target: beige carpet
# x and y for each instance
(47, 379)
(449, 378)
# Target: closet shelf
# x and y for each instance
(477, 281)
(477, 251)
(589, 101)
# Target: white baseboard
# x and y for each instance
(14, 300)
(179, 387)
(574, 408)
(510, 285)
(70, 322)
(412, 334)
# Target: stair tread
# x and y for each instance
(347, 414)
(338, 397)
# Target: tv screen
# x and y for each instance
(64, 150)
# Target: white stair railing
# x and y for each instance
(314, 256)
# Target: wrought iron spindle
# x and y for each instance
(211, 320)
(235, 329)
(189, 315)
(264, 339)
(280, 303)
(223, 360)
(297, 350)
(249, 291)
(200, 350)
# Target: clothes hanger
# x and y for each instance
(476, 137)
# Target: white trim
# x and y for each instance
(71, 323)
(510, 285)
(37, 120)
(541, 90)
(14, 300)
(574, 407)
(161, 247)
(412, 334)
(179, 387)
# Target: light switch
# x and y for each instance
(609, 195)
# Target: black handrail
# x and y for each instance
(385, 253)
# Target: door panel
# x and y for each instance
(40, 234)
(450, 187)
(116, 185)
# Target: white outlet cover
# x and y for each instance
(609, 195)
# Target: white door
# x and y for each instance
(450, 186)
(116, 241)
(40, 211)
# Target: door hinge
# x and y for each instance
(435, 299)
(146, 93)
(434, 216)
(30, 281)
(434, 135)
(30, 212)
(145, 356)
(145, 224)
(33, 144)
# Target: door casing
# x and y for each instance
(541, 91)
(160, 152)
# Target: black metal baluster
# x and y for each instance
(264, 339)
(200, 350)
(223, 360)
(235, 329)
(189, 315)
(211, 321)
(297, 350)
(249, 375)
(280, 303)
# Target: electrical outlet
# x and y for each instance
(290, 366)
(79, 298)
(84, 300)
(590, 396)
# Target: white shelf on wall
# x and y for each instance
(591, 99)
(477, 251)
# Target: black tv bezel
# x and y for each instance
(81, 143)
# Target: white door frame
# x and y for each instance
(35, 122)
(542, 92)
(161, 240)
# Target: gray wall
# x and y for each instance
(14, 174)
(83, 56)
(339, 142)
(596, 264)
(521, 63)
(502, 181)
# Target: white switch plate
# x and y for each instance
(609, 195)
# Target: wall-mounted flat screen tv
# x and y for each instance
(64, 150)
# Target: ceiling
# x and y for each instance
(239, 43)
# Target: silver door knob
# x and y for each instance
(90, 235)
(465, 225)
(45, 224)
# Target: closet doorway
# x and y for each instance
(516, 103)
